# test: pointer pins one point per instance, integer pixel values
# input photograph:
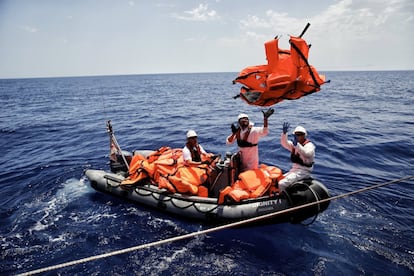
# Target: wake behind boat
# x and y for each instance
(214, 192)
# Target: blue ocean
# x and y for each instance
(53, 129)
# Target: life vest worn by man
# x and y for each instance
(193, 151)
(302, 154)
(247, 137)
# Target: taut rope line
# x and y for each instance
(214, 229)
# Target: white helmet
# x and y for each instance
(242, 115)
(191, 133)
(300, 129)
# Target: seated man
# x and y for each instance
(193, 151)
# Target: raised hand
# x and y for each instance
(268, 112)
(235, 127)
(286, 126)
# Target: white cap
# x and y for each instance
(300, 129)
(191, 133)
(242, 115)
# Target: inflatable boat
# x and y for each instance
(212, 206)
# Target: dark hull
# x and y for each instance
(207, 209)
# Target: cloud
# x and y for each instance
(164, 5)
(29, 29)
(254, 21)
(345, 16)
(200, 13)
(345, 21)
(346, 34)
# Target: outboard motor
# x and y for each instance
(303, 192)
(225, 173)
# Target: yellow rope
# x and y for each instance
(202, 232)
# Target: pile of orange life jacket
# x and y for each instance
(167, 169)
(253, 183)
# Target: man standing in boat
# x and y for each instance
(247, 137)
(302, 154)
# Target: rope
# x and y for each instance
(171, 199)
(214, 229)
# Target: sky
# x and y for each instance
(53, 38)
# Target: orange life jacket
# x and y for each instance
(160, 160)
(287, 75)
(167, 169)
(136, 170)
(252, 183)
(187, 179)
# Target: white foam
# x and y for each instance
(72, 190)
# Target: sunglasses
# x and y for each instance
(299, 134)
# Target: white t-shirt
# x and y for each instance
(187, 153)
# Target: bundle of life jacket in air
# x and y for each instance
(286, 76)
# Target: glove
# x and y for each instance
(268, 113)
(214, 157)
(286, 126)
(235, 127)
(295, 140)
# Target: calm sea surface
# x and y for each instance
(52, 129)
